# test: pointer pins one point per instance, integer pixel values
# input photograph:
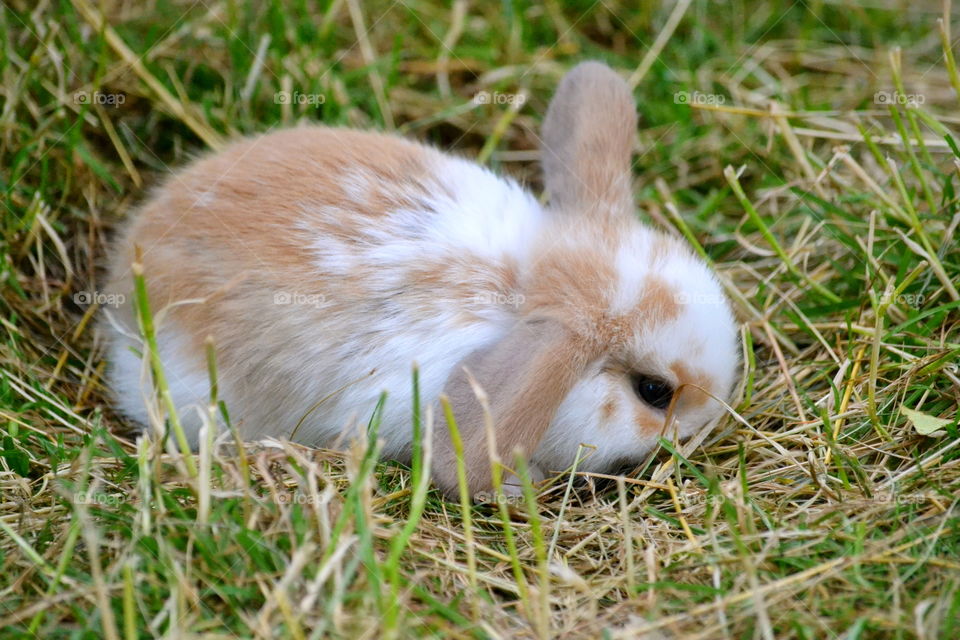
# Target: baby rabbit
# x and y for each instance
(325, 262)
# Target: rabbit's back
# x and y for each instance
(321, 261)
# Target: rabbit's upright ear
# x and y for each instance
(526, 375)
(588, 138)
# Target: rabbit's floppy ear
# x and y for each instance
(588, 138)
(526, 376)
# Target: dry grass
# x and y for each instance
(816, 510)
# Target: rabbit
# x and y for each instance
(325, 262)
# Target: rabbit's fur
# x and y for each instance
(325, 262)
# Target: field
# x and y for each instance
(809, 149)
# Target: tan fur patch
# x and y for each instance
(238, 224)
(646, 421)
(691, 395)
(573, 286)
(608, 408)
(471, 286)
(658, 303)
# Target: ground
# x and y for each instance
(807, 148)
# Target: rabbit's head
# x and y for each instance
(624, 335)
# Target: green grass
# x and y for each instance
(815, 510)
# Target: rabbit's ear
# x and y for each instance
(588, 138)
(526, 375)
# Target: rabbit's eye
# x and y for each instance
(653, 391)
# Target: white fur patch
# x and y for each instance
(633, 264)
(130, 380)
